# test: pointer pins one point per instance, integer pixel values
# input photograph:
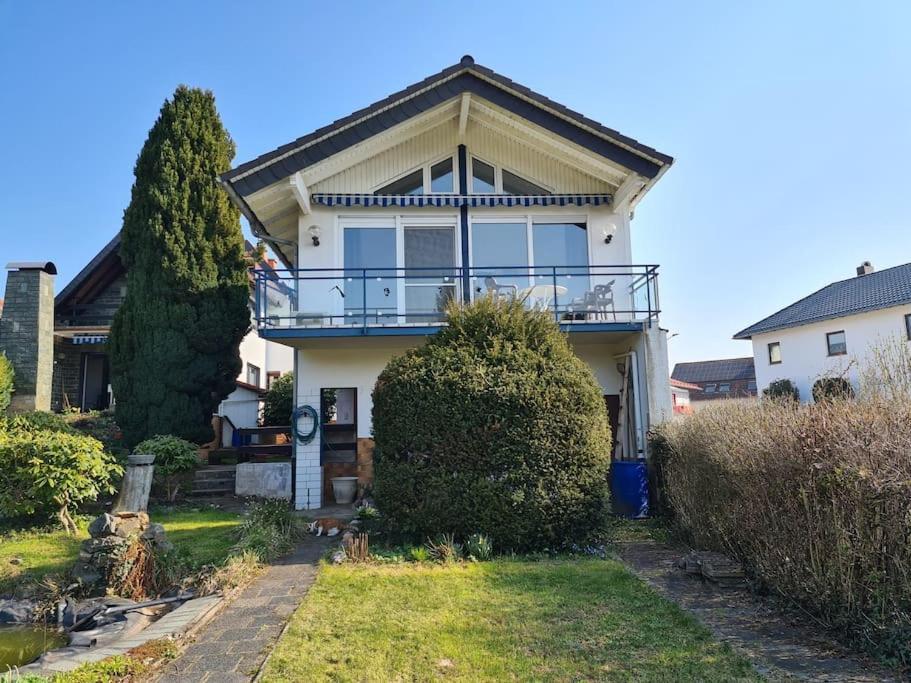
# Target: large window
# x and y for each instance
(774, 353)
(499, 256)
(564, 247)
(836, 343)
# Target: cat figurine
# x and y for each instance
(327, 525)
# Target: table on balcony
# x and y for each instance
(541, 295)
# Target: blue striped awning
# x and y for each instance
(460, 199)
(90, 339)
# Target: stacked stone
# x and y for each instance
(111, 535)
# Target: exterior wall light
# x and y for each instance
(314, 234)
(608, 232)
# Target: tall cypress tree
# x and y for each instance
(175, 339)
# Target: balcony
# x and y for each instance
(410, 301)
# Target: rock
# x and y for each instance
(84, 556)
(16, 611)
(164, 546)
(103, 525)
(86, 574)
(130, 526)
(155, 533)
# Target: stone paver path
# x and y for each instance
(233, 646)
(781, 648)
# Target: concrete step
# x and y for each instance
(214, 479)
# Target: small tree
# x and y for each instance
(6, 382)
(175, 339)
(278, 404)
(173, 457)
(782, 389)
(832, 388)
(43, 470)
(493, 426)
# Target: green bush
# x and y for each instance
(269, 529)
(101, 425)
(173, 457)
(492, 426)
(40, 420)
(832, 388)
(479, 547)
(279, 402)
(44, 470)
(6, 382)
(782, 389)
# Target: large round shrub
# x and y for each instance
(42, 470)
(494, 426)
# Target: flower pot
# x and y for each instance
(344, 489)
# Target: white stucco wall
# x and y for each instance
(804, 356)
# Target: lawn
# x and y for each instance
(206, 535)
(554, 620)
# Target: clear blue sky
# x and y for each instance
(790, 121)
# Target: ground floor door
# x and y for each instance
(95, 380)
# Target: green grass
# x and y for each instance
(206, 536)
(555, 620)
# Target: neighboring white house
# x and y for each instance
(463, 185)
(830, 332)
(680, 396)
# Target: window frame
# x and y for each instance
(829, 352)
(722, 390)
(710, 388)
(498, 177)
(259, 374)
(769, 346)
(908, 326)
(425, 175)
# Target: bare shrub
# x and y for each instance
(815, 501)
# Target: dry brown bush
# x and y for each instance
(815, 500)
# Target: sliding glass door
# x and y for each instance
(371, 292)
(430, 275)
(398, 273)
(499, 258)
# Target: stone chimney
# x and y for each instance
(27, 333)
(864, 268)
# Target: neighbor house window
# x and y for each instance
(724, 388)
(751, 385)
(908, 326)
(271, 376)
(836, 343)
(252, 374)
(710, 388)
(774, 353)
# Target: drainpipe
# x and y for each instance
(258, 229)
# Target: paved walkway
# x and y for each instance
(233, 646)
(781, 648)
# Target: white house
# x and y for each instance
(830, 332)
(465, 184)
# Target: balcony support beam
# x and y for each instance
(301, 193)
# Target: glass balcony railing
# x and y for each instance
(417, 297)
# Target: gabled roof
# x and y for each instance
(861, 294)
(680, 384)
(106, 263)
(451, 82)
(724, 370)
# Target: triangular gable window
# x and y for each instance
(489, 179)
(437, 177)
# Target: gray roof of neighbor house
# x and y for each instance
(465, 76)
(870, 292)
(724, 370)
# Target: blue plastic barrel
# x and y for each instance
(629, 488)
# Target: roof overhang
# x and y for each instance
(261, 187)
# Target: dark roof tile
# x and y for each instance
(871, 292)
(724, 370)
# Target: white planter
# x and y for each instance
(344, 489)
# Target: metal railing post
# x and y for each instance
(257, 281)
(364, 302)
(556, 306)
(648, 293)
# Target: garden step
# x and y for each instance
(214, 479)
